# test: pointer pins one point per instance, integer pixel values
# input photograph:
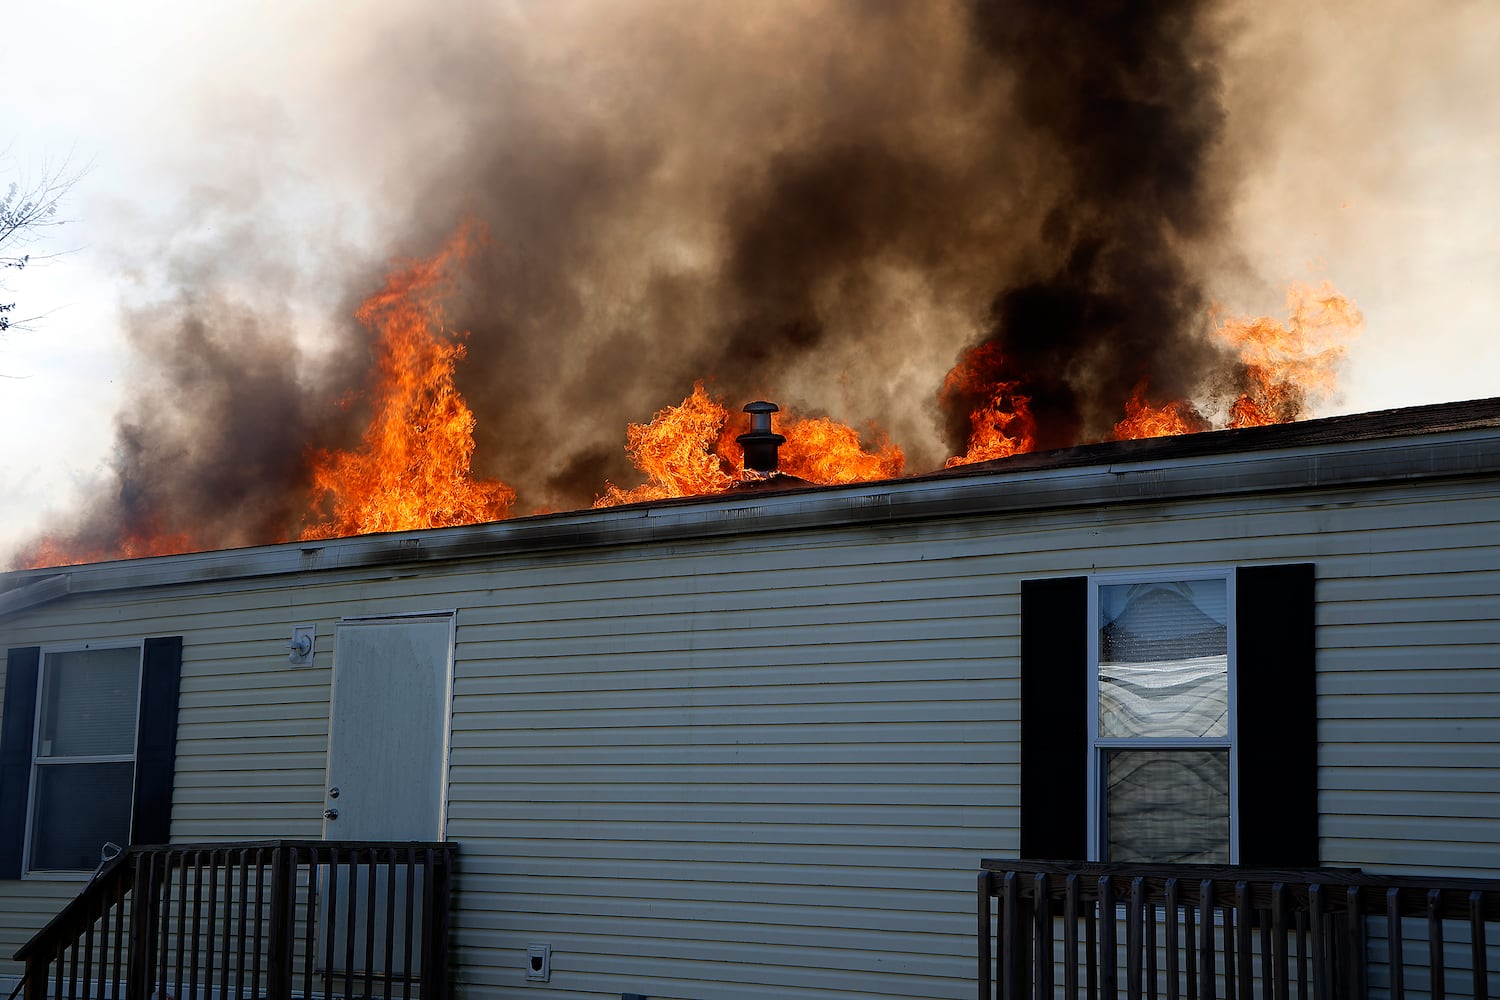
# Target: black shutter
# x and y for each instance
(156, 742)
(1054, 718)
(1276, 652)
(22, 666)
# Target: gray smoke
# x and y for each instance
(823, 203)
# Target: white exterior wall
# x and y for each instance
(758, 767)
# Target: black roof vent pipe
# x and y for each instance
(760, 443)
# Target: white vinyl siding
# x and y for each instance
(758, 767)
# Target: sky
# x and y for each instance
(262, 150)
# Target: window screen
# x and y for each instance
(84, 757)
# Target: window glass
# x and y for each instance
(84, 773)
(89, 703)
(1164, 659)
(77, 809)
(1167, 806)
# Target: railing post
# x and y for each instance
(143, 916)
(36, 976)
(1109, 985)
(1009, 917)
(442, 891)
(1041, 939)
(1438, 990)
(986, 943)
(1206, 983)
(1358, 954)
(283, 917)
(1476, 946)
(1070, 938)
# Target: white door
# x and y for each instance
(388, 732)
(387, 764)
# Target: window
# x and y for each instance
(84, 758)
(1170, 718)
(88, 743)
(1161, 735)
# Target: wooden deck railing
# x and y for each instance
(1083, 931)
(271, 919)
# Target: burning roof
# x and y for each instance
(941, 233)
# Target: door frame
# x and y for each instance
(447, 614)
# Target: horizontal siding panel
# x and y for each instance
(190, 729)
(542, 663)
(1415, 829)
(1413, 659)
(1472, 780)
(486, 855)
(849, 663)
(539, 791)
(1385, 854)
(470, 743)
(218, 759)
(730, 918)
(1477, 710)
(1356, 753)
(785, 952)
(850, 904)
(894, 776)
(786, 715)
(969, 746)
(1436, 584)
(1474, 732)
(603, 643)
(1417, 800)
(1386, 633)
(1431, 612)
(483, 837)
(1340, 688)
(294, 715)
(767, 835)
(632, 703)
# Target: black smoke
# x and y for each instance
(1123, 99)
(818, 203)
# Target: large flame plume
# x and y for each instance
(1287, 368)
(413, 468)
(1294, 364)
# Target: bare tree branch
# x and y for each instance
(29, 206)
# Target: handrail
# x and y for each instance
(99, 889)
(1192, 930)
(249, 918)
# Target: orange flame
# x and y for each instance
(1292, 365)
(676, 451)
(1001, 426)
(413, 469)
(688, 450)
(1142, 420)
(824, 451)
(56, 551)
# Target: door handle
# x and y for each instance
(330, 814)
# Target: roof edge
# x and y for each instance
(1092, 475)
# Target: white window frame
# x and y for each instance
(1099, 745)
(38, 762)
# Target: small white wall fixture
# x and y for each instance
(304, 638)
